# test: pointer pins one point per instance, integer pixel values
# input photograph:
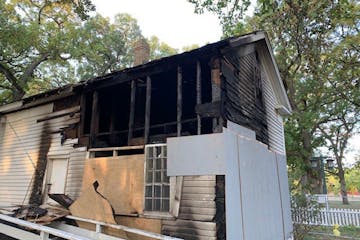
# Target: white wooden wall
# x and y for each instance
(20, 137)
(274, 120)
(20, 140)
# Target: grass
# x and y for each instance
(325, 233)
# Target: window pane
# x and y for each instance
(157, 191)
(164, 166)
(165, 191)
(150, 152)
(158, 151)
(148, 191)
(164, 151)
(149, 177)
(166, 179)
(148, 204)
(156, 205)
(157, 177)
(165, 205)
(158, 164)
(149, 164)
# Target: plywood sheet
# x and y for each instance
(92, 205)
(121, 181)
(147, 224)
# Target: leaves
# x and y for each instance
(316, 44)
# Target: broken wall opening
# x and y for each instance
(151, 108)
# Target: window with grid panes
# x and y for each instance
(157, 184)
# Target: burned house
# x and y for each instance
(190, 145)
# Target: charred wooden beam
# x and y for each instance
(179, 100)
(208, 109)
(216, 90)
(198, 94)
(132, 110)
(94, 129)
(147, 109)
(82, 115)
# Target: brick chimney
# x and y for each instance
(141, 52)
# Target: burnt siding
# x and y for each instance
(243, 93)
(196, 220)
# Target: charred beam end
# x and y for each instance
(147, 109)
(94, 130)
(132, 110)
(179, 100)
(198, 94)
(208, 109)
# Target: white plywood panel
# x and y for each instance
(233, 207)
(285, 195)
(241, 130)
(261, 202)
(196, 155)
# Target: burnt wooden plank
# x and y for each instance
(198, 94)
(147, 109)
(179, 100)
(82, 115)
(132, 110)
(208, 109)
(94, 129)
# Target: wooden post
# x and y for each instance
(216, 90)
(82, 115)
(198, 94)
(132, 110)
(179, 100)
(147, 109)
(94, 129)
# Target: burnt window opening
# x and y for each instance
(163, 105)
(140, 102)
(116, 109)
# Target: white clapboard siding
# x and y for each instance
(18, 149)
(20, 141)
(274, 120)
(188, 229)
(197, 210)
(75, 173)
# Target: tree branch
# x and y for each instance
(29, 70)
(11, 78)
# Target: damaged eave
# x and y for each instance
(154, 67)
(39, 99)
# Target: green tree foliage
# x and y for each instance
(317, 50)
(159, 49)
(46, 44)
(31, 33)
(105, 46)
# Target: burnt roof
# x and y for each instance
(149, 68)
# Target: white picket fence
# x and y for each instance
(327, 217)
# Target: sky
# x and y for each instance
(172, 21)
(175, 23)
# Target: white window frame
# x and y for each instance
(175, 189)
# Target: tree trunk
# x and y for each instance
(343, 191)
(312, 181)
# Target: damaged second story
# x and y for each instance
(144, 134)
